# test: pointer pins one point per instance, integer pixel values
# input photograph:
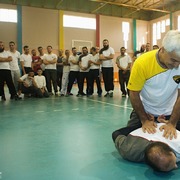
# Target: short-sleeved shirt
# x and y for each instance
(50, 57)
(124, 60)
(158, 89)
(95, 59)
(27, 59)
(27, 80)
(15, 58)
(4, 65)
(108, 52)
(74, 67)
(84, 61)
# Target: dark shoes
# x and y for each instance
(3, 98)
(16, 97)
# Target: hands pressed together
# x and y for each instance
(150, 126)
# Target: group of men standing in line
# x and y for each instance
(61, 71)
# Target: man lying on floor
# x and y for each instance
(158, 152)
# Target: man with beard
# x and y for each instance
(106, 55)
(5, 74)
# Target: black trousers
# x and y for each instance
(73, 75)
(94, 75)
(36, 92)
(108, 78)
(51, 75)
(123, 81)
(82, 77)
(5, 76)
(59, 79)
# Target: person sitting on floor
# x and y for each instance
(28, 86)
(41, 82)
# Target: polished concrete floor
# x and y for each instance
(67, 138)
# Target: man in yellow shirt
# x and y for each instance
(153, 89)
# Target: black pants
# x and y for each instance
(73, 75)
(82, 77)
(94, 74)
(5, 76)
(27, 69)
(51, 75)
(108, 78)
(59, 79)
(36, 92)
(123, 81)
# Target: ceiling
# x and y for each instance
(137, 9)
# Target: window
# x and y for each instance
(154, 34)
(163, 26)
(158, 30)
(167, 22)
(8, 15)
(79, 22)
(125, 30)
(178, 23)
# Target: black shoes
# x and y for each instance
(3, 98)
(16, 97)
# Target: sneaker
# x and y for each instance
(3, 98)
(111, 94)
(62, 95)
(123, 95)
(83, 94)
(106, 95)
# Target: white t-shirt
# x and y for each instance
(108, 63)
(124, 61)
(74, 67)
(27, 80)
(40, 81)
(50, 57)
(158, 136)
(4, 65)
(27, 59)
(15, 58)
(84, 62)
(42, 65)
(162, 95)
(95, 58)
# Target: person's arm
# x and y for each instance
(147, 124)
(170, 127)
(8, 59)
(105, 58)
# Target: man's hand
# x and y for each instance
(149, 126)
(169, 131)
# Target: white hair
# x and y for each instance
(171, 41)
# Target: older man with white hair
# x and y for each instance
(155, 89)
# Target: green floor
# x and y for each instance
(66, 138)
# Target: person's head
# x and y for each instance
(160, 157)
(26, 49)
(74, 51)
(40, 50)
(169, 56)
(148, 47)
(84, 50)
(106, 44)
(1, 46)
(143, 47)
(67, 52)
(60, 52)
(49, 49)
(93, 51)
(31, 73)
(12, 45)
(39, 72)
(155, 47)
(122, 51)
(97, 49)
(33, 52)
